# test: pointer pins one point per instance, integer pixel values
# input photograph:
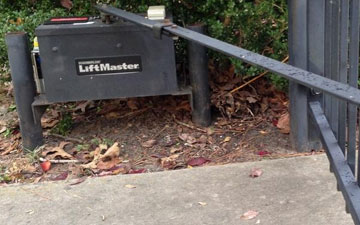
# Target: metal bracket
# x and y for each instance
(158, 28)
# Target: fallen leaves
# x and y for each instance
(249, 215)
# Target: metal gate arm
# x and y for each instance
(343, 173)
(320, 83)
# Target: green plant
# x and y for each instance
(33, 155)
(82, 147)
(64, 126)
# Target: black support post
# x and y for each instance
(24, 88)
(199, 79)
(298, 57)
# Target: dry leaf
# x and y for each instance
(149, 143)
(82, 106)
(169, 162)
(284, 123)
(2, 130)
(132, 104)
(251, 214)
(130, 186)
(58, 152)
(106, 165)
(256, 172)
(104, 161)
(251, 100)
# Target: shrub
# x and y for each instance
(256, 25)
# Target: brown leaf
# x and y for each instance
(284, 123)
(197, 161)
(251, 99)
(104, 161)
(132, 104)
(82, 106)
(149, 143)
(106, 165)
(169, 162)
(66, 4)
(58, 152)
(251, 214)
(256, 172)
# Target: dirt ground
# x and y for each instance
(140, 135)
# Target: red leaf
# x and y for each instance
(62, 176)
(263, 153)
(143, 170)
(45, 166)
(197, 161)
(275, 122)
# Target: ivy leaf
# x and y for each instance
(66, 4)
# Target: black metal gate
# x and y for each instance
(324, 52)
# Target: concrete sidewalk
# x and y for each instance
(296, 191)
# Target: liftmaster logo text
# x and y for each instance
(109, 65)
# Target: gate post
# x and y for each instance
(306, 50)
(24, 88)
(199, 80)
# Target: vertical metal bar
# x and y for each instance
(328, 14)
(316, 57)
(199, 79)
(353, 79)
(298, 57)
(335, 54)
(24, 88)
(343, 75)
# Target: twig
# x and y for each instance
(189, 126)
(60, 160)
(255, 78)
(66, 138)
(164, 128)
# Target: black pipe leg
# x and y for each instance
(199, 79)
(24, 88)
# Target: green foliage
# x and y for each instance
(256, 25)
(64, 126)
